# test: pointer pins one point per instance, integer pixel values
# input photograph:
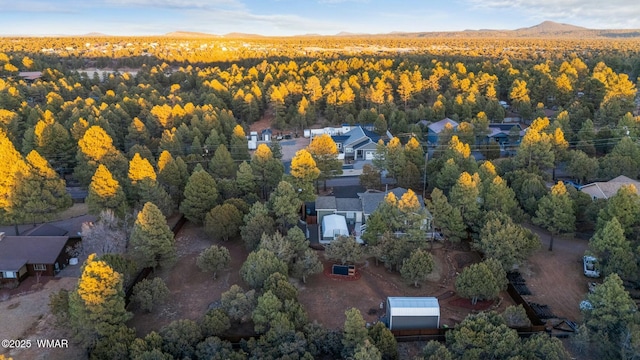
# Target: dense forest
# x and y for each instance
(151, 126)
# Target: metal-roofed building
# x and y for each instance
(412, 313)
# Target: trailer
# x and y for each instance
(412, 313)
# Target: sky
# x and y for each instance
(299, 17)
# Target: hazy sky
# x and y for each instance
(291, 17)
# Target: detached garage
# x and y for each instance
(412, 313)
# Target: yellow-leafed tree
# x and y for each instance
(97, 306)
(140, 169)
(105, 192)
(325, 153)
(304, 172)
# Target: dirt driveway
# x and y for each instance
(27, 317)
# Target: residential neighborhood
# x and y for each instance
(342, 197)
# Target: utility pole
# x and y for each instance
(424, 179)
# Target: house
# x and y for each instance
(434, 129)
(267, 134)
(412, 313)
(349, 209)
(21, 256)
(501, 133)
(357, 144)
(606, 189)
(30, 76)
(354, 211)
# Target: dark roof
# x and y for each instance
(30, 250)
(373, 136)
(45, 230)
(505, 126)
(325, 202)
(372, 199)
(266, 131)
(340, 138)
(438, 126)
(348, 204)
(361, 143)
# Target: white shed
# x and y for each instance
(412, 313)
(332, 227)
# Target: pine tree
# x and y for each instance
(325, 153)
(304, 172)
(223, 222)
(140, 169)
(266, 169)
(105, 193)
(355, 332)
(213, 259)
(200, 196)
(151, 241)
(221, 165)
(285, 204)
(12, 166)
(613, 250)
(239, 144)
(97, 306)
(555, 212)
(417, 267)
(245, 180)
(40, 193)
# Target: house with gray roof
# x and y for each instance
(356, 211)
(358, 143)
(434, 129)
(21, 256)
(606, 189)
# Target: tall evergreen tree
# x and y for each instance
(97, 306)
(221, 165)
(325, 153)
(40, 193)
(105, 193)
(151, 241)
(285, 204)
(614, 251)
(200, 196)
(266, 169)
(555, 212)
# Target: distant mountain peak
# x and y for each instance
(552, 27)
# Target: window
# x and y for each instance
(9, 275)
(39, 267)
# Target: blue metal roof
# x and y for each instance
(413, 302)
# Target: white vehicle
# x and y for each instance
(589, 266)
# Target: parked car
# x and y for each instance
(589, 266)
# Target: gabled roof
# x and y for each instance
(372, 199)
(348, 204)
(45, 229)
(358, 135)
(326, 202)
(606, 189)
(437, 127)
(16, 250)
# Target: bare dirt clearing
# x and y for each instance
(191, 290)
(555, 277)
(26, 316)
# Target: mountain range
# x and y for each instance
(546, 29)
